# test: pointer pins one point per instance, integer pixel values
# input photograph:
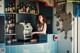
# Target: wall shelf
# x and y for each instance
(10, 34)
(27, 13)
(11, 13)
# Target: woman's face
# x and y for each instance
(40, 18)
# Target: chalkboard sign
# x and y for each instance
(1, 29)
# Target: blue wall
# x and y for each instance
(29, 19)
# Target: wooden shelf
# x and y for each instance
(11, 13)
(21, 13)
(27, 13)
(11, 34)
(49, 3)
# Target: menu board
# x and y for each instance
(1, 6)
(1, 29)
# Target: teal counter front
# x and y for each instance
(2, 45)
(46, 44)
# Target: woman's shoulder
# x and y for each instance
(45, 23)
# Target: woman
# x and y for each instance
(41, 24)
(41, 27)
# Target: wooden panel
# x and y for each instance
(49, 3)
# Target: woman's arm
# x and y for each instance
(43, 31)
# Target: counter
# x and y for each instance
(46, 44)
(42, 39)
(2, 45)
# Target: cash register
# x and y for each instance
(23, 31)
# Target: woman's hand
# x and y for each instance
(33, 33)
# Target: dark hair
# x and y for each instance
(37, 19)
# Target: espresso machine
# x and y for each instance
(23, 31)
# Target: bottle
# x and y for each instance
(28, 8)
(10, 8)
(24, 8)
(10, 31)
(9, 21)
(13, 23)
(18, 8)
(13, 29)
(13, 20)
(21, 7)
(6, 9)
(13, 7)
(33, 10)
(6, 22)
(7, 29)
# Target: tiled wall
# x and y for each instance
(64, 45)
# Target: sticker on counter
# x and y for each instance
(26, 51)
(2, 50)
